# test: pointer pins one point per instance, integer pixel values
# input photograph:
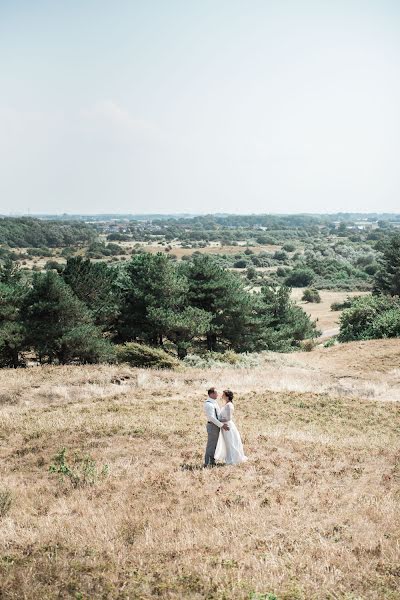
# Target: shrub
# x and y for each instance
(282, 272)
(371, 269)
(387, 324)
(289, 247)
(54, 265)
(83, 471)
(265, 240)
(251, 273)
(67, 252)
(299, 278)
(140, 355)
(370, 317)
(308, 345)
(280, 255)
(331, 342)
(222, 360)
(311, 295)
(345, 304)
(240, 264)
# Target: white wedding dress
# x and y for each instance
(229, 448)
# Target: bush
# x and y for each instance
(371, 269)
(308, 345)
(265, 240)
(118, 237)
(370, 317)
(289, 247)
(83, 471)
(280, 255)
(345, 304)
(299, 278)
(39, 252)
(240, 264)
(140, 355)
(387, 324)
(222, 360)
(282, 272)
(251, 274)
(54, 265)
(311, 295)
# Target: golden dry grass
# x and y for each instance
(327, 319)
(213, 248)
(314, 514)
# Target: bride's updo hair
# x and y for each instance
(229, 395)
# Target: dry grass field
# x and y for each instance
(327, 320)
(213, 248)
(152, 248)
(131, 514)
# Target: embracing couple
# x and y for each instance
(223, 438)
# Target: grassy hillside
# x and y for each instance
(314, 514)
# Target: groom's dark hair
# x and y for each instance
(211, 391)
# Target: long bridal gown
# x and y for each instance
(229, 448)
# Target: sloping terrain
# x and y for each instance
(126, 511)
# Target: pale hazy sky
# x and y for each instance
(199, 106)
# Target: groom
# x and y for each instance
(211, 410)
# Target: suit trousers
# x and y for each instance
(212, 441)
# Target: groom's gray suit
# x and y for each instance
(211, 410)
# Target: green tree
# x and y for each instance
(387, 279)
(149, 282)
(12, 335)
(284, 323)
(58, 325)
(223, 296)
(95, 284)
(10, 273)
(181, 324)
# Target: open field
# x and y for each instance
(327, 319)
(313, 515)
(176, 249)
(213, 248)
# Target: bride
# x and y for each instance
(229, 448)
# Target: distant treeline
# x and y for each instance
(28, 232)
(257, 219)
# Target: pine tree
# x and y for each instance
(181, 324)
(12, 334)
(58, 325)
(284, 323)
(387, 279)
(95, 285)
(150, 282)
(223, 296)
